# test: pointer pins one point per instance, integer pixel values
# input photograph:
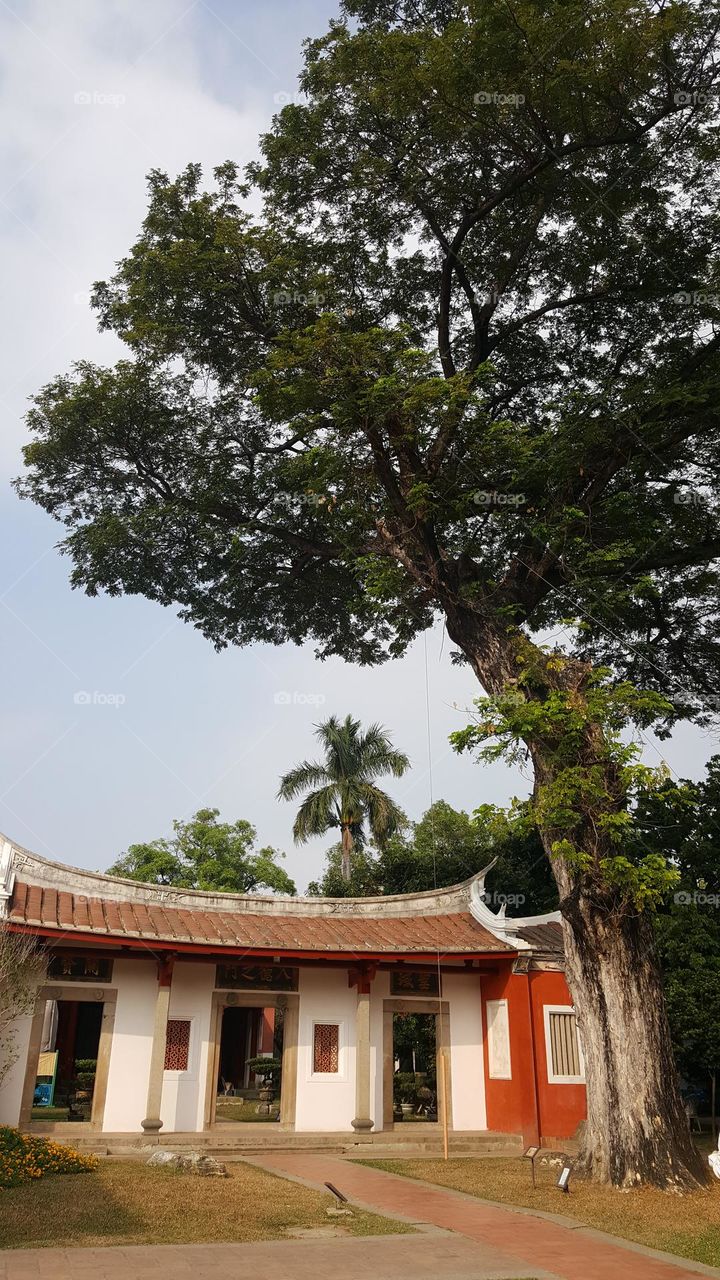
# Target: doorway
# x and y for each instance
(250, 1032)
(250, 1064)
(67, 1063)
(414, 1068)
(416, 1062)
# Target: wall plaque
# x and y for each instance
(413, 982)
(257, 977)
(69, 968)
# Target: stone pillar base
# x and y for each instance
(362, 1126)
(151, 1126)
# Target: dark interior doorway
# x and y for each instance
(250, 1065)
(67, 1065)
(415, 1067)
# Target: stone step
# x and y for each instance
(226, 1145)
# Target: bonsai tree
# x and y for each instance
(268, 1069)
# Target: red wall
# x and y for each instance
(528, 1103)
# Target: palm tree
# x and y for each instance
(342, 790)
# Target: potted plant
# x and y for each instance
(405, 1091)
(269, 1070)
(80, 1094)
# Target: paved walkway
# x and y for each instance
(529, 1242)
(423, 1257)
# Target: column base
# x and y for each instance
(362, 1126)
(151, 1126)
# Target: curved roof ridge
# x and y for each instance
(17, 861)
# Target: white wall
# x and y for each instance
(12, 1086)
(466, 1051)
(326, 1103)
(125, 1106)
(183, 1098)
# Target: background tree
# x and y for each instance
(342, 792)
(683, 818)
(205, 853)
(465, 362)
(22, 966)
(444, 848)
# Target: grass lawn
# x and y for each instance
(687, 1225)
(243, 1110)
(126, 1202)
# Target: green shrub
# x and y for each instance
(23, 1158)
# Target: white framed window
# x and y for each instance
(565, 1062)
(328, 1050)
(498, 1035)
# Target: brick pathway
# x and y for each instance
(426, 1257)
(527, 1240)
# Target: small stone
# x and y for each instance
(189, 1162)
(332, 1212)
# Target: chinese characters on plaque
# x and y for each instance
(413, 982)
(257, 977)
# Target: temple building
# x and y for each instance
(166, 1010)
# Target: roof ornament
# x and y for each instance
(7, 877)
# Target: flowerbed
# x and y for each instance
(22, 1159)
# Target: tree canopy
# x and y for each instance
(205, 853)
(445, 847)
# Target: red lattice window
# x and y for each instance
(177, 1045)
(326, 1047)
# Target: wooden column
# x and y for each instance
(152, 1122)
(362, 1122)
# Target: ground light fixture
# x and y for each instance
(563, 1181)
(530, 1155)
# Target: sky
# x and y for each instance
(117, 718)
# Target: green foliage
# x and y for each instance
(683, 820)
(591, 775)
(464, 361)
(206, 854)
(342, 792)
(444, 848)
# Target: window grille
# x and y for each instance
(177, 1045)
(565, 1055)
(326, 1048)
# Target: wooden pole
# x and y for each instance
(443, 1072)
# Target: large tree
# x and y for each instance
(205, 853)
(342, 791)
(464, 362)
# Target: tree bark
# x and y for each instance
(636, 1131)
(347, 844)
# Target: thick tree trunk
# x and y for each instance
(637, 1131)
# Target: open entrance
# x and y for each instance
(416, 1062)
(67, 1063)
(250, 1065)
(414, 1067)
